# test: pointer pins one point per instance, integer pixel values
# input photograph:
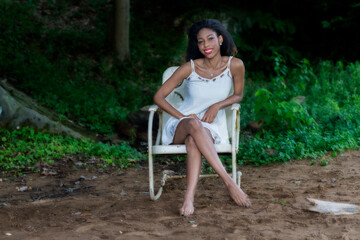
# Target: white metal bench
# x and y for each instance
(175, 98)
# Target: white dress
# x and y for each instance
(201, 94)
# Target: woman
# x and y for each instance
(210, 72)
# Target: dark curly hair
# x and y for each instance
(227, 48)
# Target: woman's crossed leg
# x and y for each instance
(199, 141)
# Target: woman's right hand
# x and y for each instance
(193, 115)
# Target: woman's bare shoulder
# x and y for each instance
(184, 70)
(237, 68)
(236, 63)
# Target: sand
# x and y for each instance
(80, 204)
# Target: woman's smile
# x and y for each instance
(208, 50)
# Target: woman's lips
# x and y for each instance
(208, 50)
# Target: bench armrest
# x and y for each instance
(153, 108)
(235, 106)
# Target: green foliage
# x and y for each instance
(22, 149)
(324, 162)
(280, 71)
(259, 35)
(62, 56)
(280, 115)
(329, 120)
(69, 66)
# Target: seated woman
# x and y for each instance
(200, 122)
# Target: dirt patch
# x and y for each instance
(94, 205)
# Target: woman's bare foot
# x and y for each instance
(187, 208)
(238, 195)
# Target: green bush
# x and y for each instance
(23, 149)
(279, 116)
(329, 119)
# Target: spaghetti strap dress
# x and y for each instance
(201, 94)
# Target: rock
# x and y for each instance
(271, 152)
(255, 126)
(47, 172)
(136, 126)
(139, 118)
(169, 172)
(84, 178)
(23, 188)
(298, 99)
(123, 193)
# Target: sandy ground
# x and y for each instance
(113, 205)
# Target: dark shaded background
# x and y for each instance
(320, 29)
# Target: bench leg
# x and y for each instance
(236, 175)
(238, 180)
(151, 181)
(233, 156)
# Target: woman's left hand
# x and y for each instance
(211, 113)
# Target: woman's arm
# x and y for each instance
(159, 98)
(237, 69)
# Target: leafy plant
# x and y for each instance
(22, 149)
(280, 115)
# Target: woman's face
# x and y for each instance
(209, 42)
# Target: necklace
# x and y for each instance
(219, 63)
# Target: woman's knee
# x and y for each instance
(194, 124)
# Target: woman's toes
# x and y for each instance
(187, 208)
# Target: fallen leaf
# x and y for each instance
(85, 214)
(123, 193)
(194, 225)
(23, 188)
(47, 172)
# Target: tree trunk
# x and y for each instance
(121, 31)
(18, 110)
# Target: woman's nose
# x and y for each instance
(206, 43)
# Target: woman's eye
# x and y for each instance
(200, 42)
(211, 38)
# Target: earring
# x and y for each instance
(220, 44)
